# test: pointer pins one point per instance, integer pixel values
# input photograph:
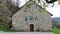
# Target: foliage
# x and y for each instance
(3, 19)
(29, 5)
(58, 1)
(6, 28)
(37, 12)
(44, 13)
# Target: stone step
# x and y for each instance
(26, 32)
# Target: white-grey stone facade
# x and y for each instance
(42, 22)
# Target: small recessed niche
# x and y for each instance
(25, 10)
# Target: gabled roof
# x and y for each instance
(26, 4)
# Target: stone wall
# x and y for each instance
(42, 24)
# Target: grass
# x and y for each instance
(4, 28)
(56, 31)
(7, 29)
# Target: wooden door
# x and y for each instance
(31, 27)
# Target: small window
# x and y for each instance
(25, 10)
(36, 18)
(30, 18)
(26, 19)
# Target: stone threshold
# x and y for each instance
(26, 33)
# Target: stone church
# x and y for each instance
(32, 17)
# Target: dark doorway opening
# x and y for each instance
(31, 27)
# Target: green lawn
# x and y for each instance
(56, 31)
(4, 28)
(7, 29)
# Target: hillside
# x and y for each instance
(57, 19)
(56, 22)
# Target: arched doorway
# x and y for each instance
(31, 27)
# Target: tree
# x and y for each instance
(45, 3)
(17, 2)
